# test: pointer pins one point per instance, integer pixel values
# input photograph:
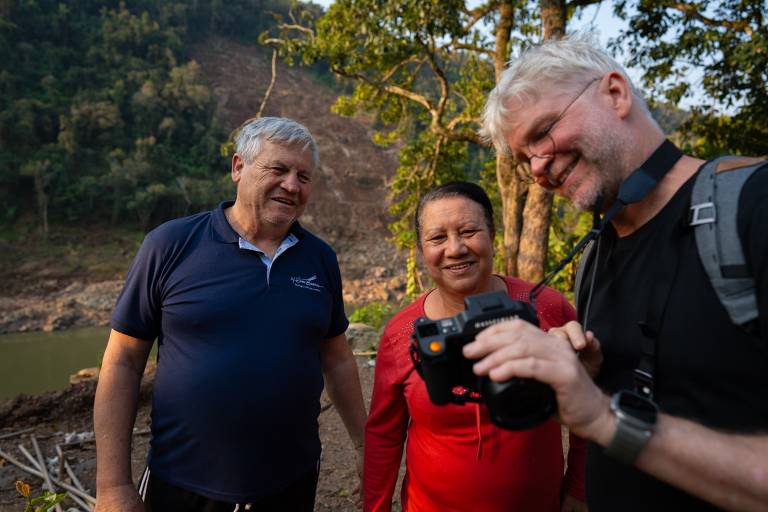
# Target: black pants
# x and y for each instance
(164, 497)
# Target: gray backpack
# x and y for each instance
(713, 215)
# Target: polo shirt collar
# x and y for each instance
(223, 232)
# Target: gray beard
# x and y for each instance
(604, 152)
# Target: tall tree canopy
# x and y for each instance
(717, 49)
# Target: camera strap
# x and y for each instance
(643, 374)
(634, 189)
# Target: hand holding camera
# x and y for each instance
(519, 349)
(516, 403)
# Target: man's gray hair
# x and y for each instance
(279, 130)
(564, 64)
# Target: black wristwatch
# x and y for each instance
(636, 419)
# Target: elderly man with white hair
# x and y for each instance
(246, 306)
(677, 414)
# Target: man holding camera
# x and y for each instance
(247, 309)
(678, 410)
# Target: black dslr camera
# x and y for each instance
(517, 404)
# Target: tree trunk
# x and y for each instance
(511, 189)
(512, 192)
(532, 257)
(553, 18)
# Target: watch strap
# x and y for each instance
(635, 421)
(628, 441)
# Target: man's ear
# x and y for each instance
(237, 167)
(619, 93)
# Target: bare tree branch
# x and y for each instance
(692, 11)
(435, 157)
(583, 3)
(455, 45)
(389, 74)
(393, 89)
(437, 113)
(478, 13)
(298, 27)
(462, 119)
(268, 93)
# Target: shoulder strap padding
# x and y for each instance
(735, 163)
(716, 191)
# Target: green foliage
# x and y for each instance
(101, 111)
(568, 226)
(375, 314)
(46, 501)
(722, 47)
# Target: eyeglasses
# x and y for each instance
(543, 145)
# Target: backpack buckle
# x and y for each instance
(643, 382)
(703, 213)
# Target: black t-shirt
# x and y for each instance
(707, 369)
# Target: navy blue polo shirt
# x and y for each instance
(238, 383)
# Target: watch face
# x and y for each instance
(637, 406)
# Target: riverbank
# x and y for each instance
(69, 280)
(79, 304)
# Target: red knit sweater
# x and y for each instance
(456, 459)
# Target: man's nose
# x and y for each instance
(540, 165)
(540, 169)
(291, 183)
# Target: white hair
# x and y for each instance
(279, 130)
(563, 64)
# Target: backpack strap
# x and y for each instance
(713, 215)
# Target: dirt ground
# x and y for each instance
(52, 415)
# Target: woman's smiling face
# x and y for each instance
(456, 245)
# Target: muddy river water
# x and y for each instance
(41, 361)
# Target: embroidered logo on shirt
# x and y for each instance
(308, 283)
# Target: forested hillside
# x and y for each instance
(104, 116)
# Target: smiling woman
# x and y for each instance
(456, 243)
(456, 459)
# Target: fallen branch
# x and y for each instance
(71, 489)
(64, 466)
(44, 470)
(73, 477)
(36, 466)
(17, 433)
(32, 460)
(60, 468)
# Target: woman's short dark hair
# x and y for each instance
(463, 189)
